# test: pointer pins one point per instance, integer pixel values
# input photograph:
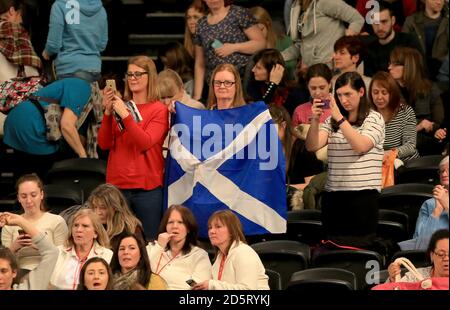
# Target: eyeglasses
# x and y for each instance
(441, 254)
(441, 171)
(227, 84)
(136, 74)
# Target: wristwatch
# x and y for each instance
(340, 121)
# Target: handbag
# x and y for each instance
(17, 89)
(435, 283)
(387, 175)
(51, 114)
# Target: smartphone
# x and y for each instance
(112, 84)
(326, 103)
(216, 44)
(191, 282)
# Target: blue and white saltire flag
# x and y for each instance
(228, 159)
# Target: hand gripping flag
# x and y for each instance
(228, 159)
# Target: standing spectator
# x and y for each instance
(25, 127)
(316, 24)
(399, 117)
(430, 26)
(31, 196)
(356, 133)
(17, 56)
(112, 209)
(275, 40)
(76, 39)
(194, 12)
(135, 161)
(228, 34)
(237, 266)
(386, 40)
(406, 67)
(175, 255)
(87, 238)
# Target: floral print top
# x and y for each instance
(229, 30)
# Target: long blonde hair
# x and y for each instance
(148, 65)
(201, 7)
(111, 197)
(238, 97)
(263, 17)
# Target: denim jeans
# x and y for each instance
(90, 77)
(148, 208)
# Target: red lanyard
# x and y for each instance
(222, 265)
(159, 261)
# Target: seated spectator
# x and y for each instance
(171, 89)
(95, 275)
(87, 238)
(174, 56)
(274, 39)
(430, 26)
(38, 278)
(438, 252)
(269, 81)
(31, 196)
(237, 266)
(386, 39)
(112, 209)
(130, 264)
(406, 67)
(25, 127)
(318, 79)
(196, 10)
(175, 255)
(399, 118)
(433, 214)
(349, 52)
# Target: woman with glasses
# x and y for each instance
(133, 131)
(433, 213)
(438, 253)
(225, 88)
(407, 68)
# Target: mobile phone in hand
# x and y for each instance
(216, 44)
(112, 84)
(326, 103)
(191, 282)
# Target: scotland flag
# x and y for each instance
(228, 159)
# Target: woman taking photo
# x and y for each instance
(355, 135)
(133, 131)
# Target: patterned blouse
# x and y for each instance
(229, 30)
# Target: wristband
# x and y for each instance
(339, 123)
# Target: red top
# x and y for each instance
(135, 155)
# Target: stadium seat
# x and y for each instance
(59, 197)
(322, 279)
(305, 226)
(420, 170)
(418, 257)
(407, 198)
(274, 280)
(85, 174)
(283, 256)
(359, 262)
(393, 225)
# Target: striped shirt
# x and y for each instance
(401, 134)
(348, 170)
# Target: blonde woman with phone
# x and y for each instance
(133, 130)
